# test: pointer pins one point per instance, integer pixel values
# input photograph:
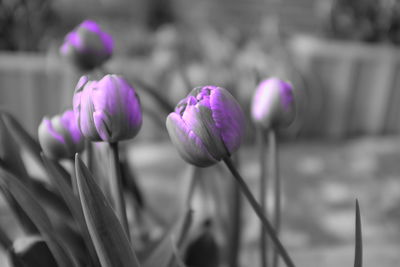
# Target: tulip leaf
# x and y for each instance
(59, 176)
(177, 260)
(9, 152)
(358, 239)
(37, 214)
(5, 241)
(163, 253)
(109, 238)
(23, 137)
(49, 197)
(26, 223)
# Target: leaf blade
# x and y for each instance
(109, 238)
(60, 179)
(36, 213)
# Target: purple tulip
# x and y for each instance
(273, 104)
(206, 126)
(107, 110)
(59, 136)
(87, 46)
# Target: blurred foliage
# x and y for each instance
(364, 20)
(24, 24)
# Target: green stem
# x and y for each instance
(116, 188)
(89, 155)
(263, 196)
(236, 219)
(74, 182)
(274, 174)
(358, 238)
(257, 209)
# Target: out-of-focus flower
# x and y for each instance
(107, 110)
(273, 104)
(206, 126)
(203, 250)
(87, 46)
(59, 136)
(31, 251)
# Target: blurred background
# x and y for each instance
(342, 56)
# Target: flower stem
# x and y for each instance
(236, 218)
(89, 155)
(263, 196)
(74, 181)
(358, 239)
(257, 208)
(117, 193)
(274, 174)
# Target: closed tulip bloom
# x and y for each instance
(273, 104)
(87, 46)
(59, 136)
(206, 126)
(107, 110)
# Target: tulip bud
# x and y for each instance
(31, 251)
(59, 136)
(273, 104)
(107, 110)
(203, 250)
(87, 46)
(206, 126)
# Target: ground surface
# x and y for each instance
(321, 182)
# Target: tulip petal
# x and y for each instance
(84, 107)
(69, 123)
(198, 118)
(51, 142)
(189, 145)
(105, 38)
(228, 117)
(273, 103)
(117, 98)
(102, 123)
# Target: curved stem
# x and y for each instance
(257, 209)
(263, 196)
(117, 193)
(274, 174)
